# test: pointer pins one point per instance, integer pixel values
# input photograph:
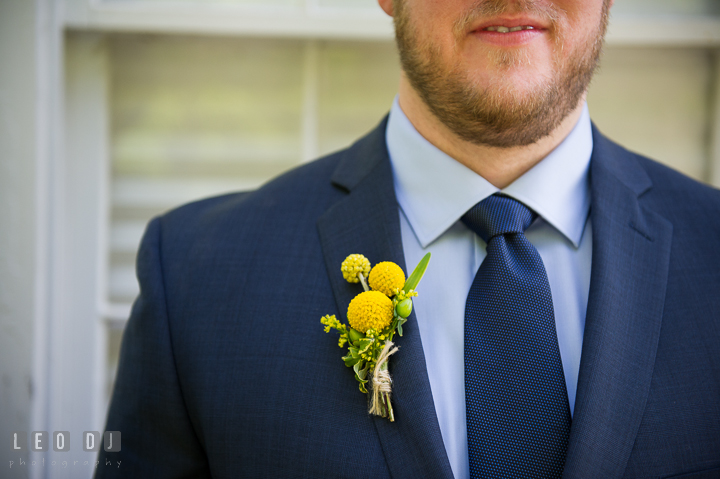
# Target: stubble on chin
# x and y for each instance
(499, 115)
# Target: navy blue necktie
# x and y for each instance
(518, 415)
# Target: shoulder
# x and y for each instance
(290, 200)
(680, 199)
(661, 189)
(303, 192)
(288, 191)
(691, 207)
(281, 215)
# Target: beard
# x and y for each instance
(499, 115)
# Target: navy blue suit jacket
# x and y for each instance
(226, 372)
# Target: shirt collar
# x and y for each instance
(434, 190)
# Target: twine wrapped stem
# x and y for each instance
(380, 404)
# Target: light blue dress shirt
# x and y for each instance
(433, 192)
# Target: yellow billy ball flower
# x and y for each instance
(354, 264)
(370, 310)
(387, 277)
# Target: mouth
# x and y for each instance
(509, 32)
(510, 23)
(504, 29)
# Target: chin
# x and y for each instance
(513, 82)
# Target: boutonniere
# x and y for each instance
(374, 316)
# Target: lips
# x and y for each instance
(504, 29)
(512, 24)
(508, 31)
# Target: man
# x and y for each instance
(579, 341)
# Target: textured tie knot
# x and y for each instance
(498, 215)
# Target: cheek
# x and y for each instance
(579, 7)
(579, 27)
(583, 17)
(425, 12)
(436, 18)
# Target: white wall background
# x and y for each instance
(112, 111)
(18, 210)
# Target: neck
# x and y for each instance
(499, 166)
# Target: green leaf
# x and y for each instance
(363, 344)
(350, 361)
(355, 335)
(401, 321)
(361, 374)
(417, 274)
(353, 358)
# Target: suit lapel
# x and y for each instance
(366, 221)
(631, 249)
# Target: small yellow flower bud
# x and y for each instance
(354, 264)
